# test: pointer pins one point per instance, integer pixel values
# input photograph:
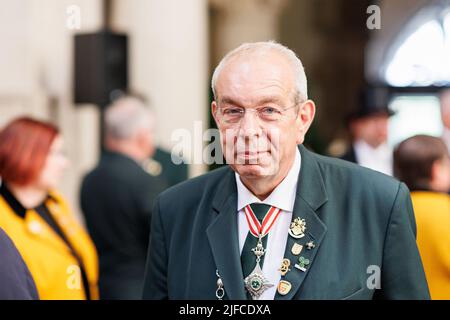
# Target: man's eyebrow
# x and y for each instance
(229, 100)
(264, 100)
(270, 99)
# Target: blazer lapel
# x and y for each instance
(310, 197)
(223, 238)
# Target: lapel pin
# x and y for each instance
(310, 245)
(284, 287)
(285, 264)
(296, 249)
(35, 227)
(302, 264)
(297, 228)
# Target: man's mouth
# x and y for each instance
(250, 154)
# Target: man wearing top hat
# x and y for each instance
(369, 131)
(280, 222)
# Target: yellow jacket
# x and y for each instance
(55, 270)
(432, 212)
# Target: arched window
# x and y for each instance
(423, 58)
(418, 65)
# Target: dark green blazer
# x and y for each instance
(357, 218)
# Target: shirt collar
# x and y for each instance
(283, 197)
(14, 204)
(362, 146)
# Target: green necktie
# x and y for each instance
(248, 258)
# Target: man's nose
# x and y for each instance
(250, 125)
(383, 127)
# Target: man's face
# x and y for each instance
(143, 139)
(259, 143)
(372, 129)
(54, 167)
(440, 175)
(445, 109)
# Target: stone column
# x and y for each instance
(169, 64)
(236, 22)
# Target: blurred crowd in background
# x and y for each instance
(83, 157)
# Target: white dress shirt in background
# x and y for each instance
(379, 159)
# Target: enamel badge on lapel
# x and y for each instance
(296, 249)
(310, 245)
(297, 228)
(302, 263)
(285, 264)
(284, 287)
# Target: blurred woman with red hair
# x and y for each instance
(57, 250)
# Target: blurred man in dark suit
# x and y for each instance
(369, 130)
(162, 163)
(117, 198)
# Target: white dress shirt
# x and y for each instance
(379, 159)
(283, 197)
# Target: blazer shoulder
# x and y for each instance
(193, 189)
(349, 155)
(345, 173)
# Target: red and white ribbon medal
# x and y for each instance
(256, 228)
(255, 282)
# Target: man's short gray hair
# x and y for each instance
(125, 116)
(301, 83)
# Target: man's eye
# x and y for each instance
(269, 110)
(232, 111)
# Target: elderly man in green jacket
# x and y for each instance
(280, 222)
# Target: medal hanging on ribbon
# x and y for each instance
(255, 282)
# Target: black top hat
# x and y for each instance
(372, 101)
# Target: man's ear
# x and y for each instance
(305, 117)
(140, 136)
(214, 110)
(436, 171)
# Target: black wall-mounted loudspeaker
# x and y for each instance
(100, 67)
